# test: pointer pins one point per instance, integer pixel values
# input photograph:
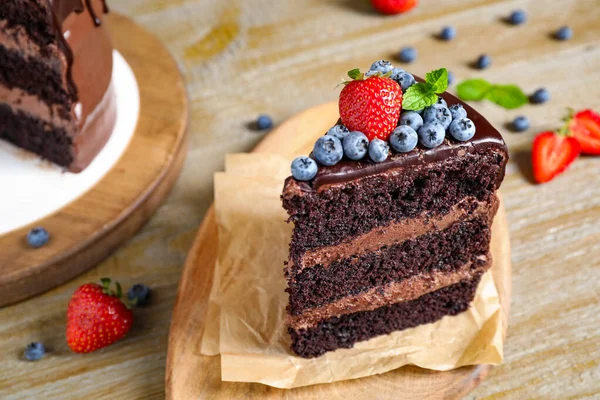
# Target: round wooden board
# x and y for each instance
(90, 228)
(190, 375)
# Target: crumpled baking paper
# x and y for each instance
(246, 315)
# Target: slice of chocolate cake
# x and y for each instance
(387, 238)
(56, 97)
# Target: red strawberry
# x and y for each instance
(551, 154)
(371, 106)
(585, 127)
(393, 6)
(96, 317)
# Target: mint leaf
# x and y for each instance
(507, 96)
(473, 89)
(355, 73)
(438, 80)
(418, 96)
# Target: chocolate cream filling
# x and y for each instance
(19, 100)
(393, 233)
(393, 293)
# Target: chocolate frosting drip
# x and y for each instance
(486, 137)
(61, 9)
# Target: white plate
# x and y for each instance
(32, 189)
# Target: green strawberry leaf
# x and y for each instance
(473, 89)
(355, 74)
(105, 283)
(438, 80)
(418, 96)
(507, 96)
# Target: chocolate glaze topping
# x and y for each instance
(61, 9)
(486, 137)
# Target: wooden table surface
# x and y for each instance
(246, 57)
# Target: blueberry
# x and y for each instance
(462, 129)
(339, 131)
(420, 112)
(356, 145)
(441, 101)
(563, 33)
(381, 66)
(540, 96)
(404, 79)
(404, 139)
(328, 150)
(38, 237)
(34, 351)
(378, 150)
(432, 134)
(263, 122)
(458, 111)
(141, 292)
(483, 61)
(520, 124)
(448, 33)
(438, 113)
(407, 54)
(517, 17)
(450, 78)
(412, 119)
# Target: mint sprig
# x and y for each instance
(424, 94)
(507, 96)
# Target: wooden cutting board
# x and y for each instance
(90, 228)
(190, 375)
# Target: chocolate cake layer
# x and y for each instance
(356, 207)
(395, 292)
(24, 130)
(445, 250)
(33, 16)
(394, 232)
(344, 331)
(34, 77)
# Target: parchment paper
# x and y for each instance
(247, 302)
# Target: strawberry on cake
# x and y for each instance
(392, 211)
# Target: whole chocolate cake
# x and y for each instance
(392, 213)
(56, 97)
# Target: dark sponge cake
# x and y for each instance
(56, 98)
(380, 247)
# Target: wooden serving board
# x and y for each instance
(90, 228)
(190, 375)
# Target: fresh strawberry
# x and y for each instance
(96, 317)
(371, 106)
(551, 154)
(585, 127)
(393, 6)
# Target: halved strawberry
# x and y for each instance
(551, 154)
(585, 127)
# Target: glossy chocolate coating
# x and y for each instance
(486, 137)
(61, 9)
